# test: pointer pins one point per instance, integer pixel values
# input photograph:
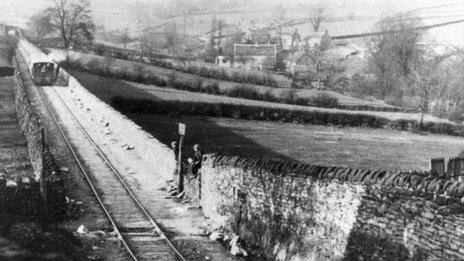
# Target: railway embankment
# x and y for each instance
(143, 163)
(23, 235)
(59, 236)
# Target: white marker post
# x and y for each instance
(180, 185)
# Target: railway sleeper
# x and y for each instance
(137, 230)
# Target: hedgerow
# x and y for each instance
(176, 108)
(95, 66)
(139, 73)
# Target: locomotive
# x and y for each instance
(43, 70)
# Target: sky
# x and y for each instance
(115, 14)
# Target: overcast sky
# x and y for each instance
(117, 14)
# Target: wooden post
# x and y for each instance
(199, 184)
(437, 167)
(42, 183)
(180, 184)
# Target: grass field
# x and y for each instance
(105, 88)
(352, 147)
(223, 85)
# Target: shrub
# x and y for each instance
(172, 79)
(139, 71)
(212, 88)
(268, 96)
(205, 72)
(244, 91)
(302, 101)
(182, 85)
(456, 115)
(324, 100)
(288, 96)
(94, 65)
(99, 49)
(395, 101)
(198, 83)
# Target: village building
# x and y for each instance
(259, 36)
(319, 39)
(255, 56)
(222, 61)
(286, 40)
(296, 39)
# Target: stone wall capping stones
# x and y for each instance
(414, 181)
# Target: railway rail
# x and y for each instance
(137, 230)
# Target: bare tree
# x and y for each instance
(73, 20)
(172, 37)
(321, 63)
(393, 54)
(228, 44)
(40, 24)
(125, 38)
(318, 15)
(426, 78)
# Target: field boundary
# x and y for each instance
(260, 113)
(198, 82)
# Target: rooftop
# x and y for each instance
(255, 49)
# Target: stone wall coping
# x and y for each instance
(419, 181)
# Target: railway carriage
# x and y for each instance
(43, 70)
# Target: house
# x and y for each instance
(286, 40)
(259, 36)
(222, 61)
(316, 39)
(296, 38)
(255, 56)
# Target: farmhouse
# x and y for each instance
(254, 56)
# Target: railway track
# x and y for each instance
(138, 232)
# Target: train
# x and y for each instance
(44, 71)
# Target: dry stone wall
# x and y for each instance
(295, 211)
(42, 160)
(29, 121)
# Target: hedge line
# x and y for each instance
(416, 181)
(197, 85)
(242, 90)
(102, 70)
(240, 111)
(203, 71)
